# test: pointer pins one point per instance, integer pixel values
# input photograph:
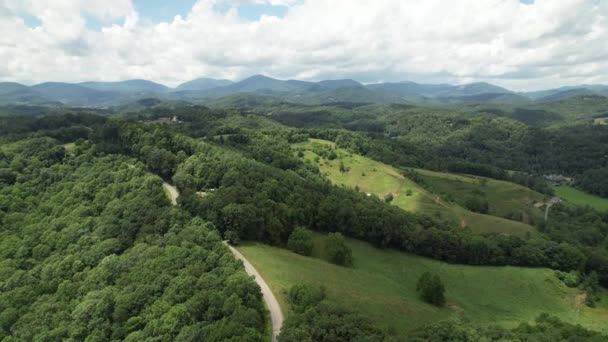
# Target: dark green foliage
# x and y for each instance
(319, 320)
(232, 237)
(431, 289)
(389, 197)
(548, 328)
(591, 286)
(302, 297)
(449, 330)
(594, 181)
(90, 250)
(477, 203)
(571, 279)
(337, 251)
(300, 241)
(545, 329)
(160, 161)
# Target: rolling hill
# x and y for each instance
(379, 179)
(382, 285)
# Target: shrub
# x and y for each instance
(570, 279)
(337, 250)
(477, 204)
(431, 289)
(232, 237)
(300, 241)
(301, 297)
(388, 198)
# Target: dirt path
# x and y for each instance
(276, 315)
(172, 192)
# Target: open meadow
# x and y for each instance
(382, 285)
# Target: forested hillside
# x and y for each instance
(91, 250)
(91, 246)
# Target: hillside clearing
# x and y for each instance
(579, 197)
(379, 179)
(506, 199)
(382, 285)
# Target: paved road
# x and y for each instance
(276, 315)
(172, 192)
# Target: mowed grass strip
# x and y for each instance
(382, 285)
(579, 197)
(380, 179)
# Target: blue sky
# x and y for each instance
(157, 11)
(162, 10)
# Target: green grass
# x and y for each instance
(380, 179)
(505, 198)
(579, 197)
(382, 286)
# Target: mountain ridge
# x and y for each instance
(200, 90)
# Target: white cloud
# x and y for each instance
(521, 46)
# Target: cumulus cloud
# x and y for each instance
(546, 44)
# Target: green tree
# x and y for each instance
(388, 198)
(161, 162)
(477, 203)
(431, 289)
(301, 296)
(232, 237)
(300, 241)
(337, 250)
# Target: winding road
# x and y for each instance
(276, 315)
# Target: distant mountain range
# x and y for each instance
(108, 94)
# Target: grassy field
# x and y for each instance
(380, 179)
(579, 197)
(505, 198)
(382, 286)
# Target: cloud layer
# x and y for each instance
(546, 44)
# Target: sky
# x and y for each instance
(518, 44)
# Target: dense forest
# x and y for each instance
(91, 248)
